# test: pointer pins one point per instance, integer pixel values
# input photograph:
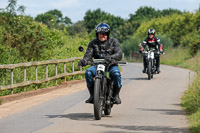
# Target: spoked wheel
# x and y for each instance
(98, 100)
(149, 71)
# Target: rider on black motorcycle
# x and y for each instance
(103, 47)
(153, 42)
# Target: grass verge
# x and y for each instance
(190, 101)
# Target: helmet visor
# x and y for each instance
(102, 30)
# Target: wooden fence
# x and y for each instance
(35, 64)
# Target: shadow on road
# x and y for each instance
(160, 129)
(165, 111)
(135, 78)
(75, 116)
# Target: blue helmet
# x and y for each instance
(102, 28)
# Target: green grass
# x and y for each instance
(190, 101)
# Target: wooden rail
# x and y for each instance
(35, 64)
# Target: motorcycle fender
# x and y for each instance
(99, 76)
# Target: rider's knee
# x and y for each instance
(116, 74)
(88, 73)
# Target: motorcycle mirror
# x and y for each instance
(81, 49)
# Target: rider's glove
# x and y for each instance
(140, 51)
(108, 58)
(82, 62)
(161, 51)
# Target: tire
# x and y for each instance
(149, 70)
(98, 103)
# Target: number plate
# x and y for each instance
(101, 67)
(151, 55)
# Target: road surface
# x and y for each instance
(150, 106)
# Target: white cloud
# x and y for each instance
(64, 3)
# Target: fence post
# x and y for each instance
(36, 73)
(72, 68)
(81, 68)
(64, 67)
(24, 74)
(11, 79)
(46, 71)
(56, 72)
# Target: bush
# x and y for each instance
(192, 41)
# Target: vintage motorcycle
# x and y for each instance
(151, 61)
(103, 87)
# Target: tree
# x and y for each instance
(77, 28)
(92, 18)
(12, 8)
(143, 13)
(126, 31)
(67, 20)
(57, 14)
(53, 18)
(48, 19)
(147, 13)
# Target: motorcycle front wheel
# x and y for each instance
(149, 70)
(98, 99)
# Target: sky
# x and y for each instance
(76, 9)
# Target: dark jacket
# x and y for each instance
(154, 42)
(99, 50)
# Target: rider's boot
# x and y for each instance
(116, 95)
(158, 66)
(145, 66)
(91, 91)
(158, 70)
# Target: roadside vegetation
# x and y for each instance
(53, 36)
(181, 57)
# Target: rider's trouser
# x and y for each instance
(114, 73)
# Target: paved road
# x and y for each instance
(147, 106)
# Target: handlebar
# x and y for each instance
(95, 61)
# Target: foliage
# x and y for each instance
(142, 15)
(124, 32)
(92, 18)
(172, 30)
(166, 41)
(175, 26)
(77, 28)
(192, 41)
(146, 13)
(12, 8)
(190, 101)
(53, 18)
(176, 56)
(22, 40)
(130, 45)
(192, 97)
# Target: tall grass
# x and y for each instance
(190, 101)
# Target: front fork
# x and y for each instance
(153, 64)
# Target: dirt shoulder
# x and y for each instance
(19, 102)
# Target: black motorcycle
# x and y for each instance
(151, 62)
(103, 87)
